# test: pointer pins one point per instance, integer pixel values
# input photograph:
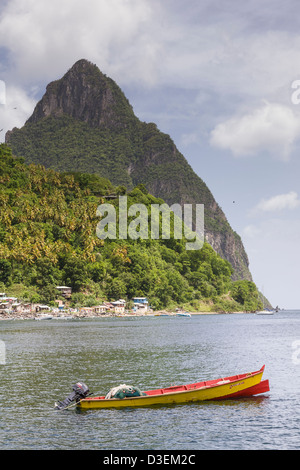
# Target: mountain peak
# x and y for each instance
(83, 64)
(86, 94)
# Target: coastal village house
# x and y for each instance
(140, 304)
(65, 291)
(119, 306)
(115, 307)
(42, 308)
(6, 302)
(11, 305)
(100, 309)
(4, 307)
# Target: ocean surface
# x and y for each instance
(43, 359)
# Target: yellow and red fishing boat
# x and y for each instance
(236, 386)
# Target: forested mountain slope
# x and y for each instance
(85, 123)
(48, 237)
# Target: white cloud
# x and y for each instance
(45, 38)
(272, 128)
(224, 55)
(288, 201)
(193, 45)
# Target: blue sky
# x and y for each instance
(217, 76)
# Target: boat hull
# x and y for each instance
(262, 387)
(265, 312)
(210, 390)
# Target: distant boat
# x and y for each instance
(183, 314)
(44, 316)
(265, 312)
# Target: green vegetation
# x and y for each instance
(48, 237)
(85, 123)
(130, 155)
(76, 147)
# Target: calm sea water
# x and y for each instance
(45, 358)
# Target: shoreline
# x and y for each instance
(78, 315)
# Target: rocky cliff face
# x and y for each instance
(85, 123)
(85, 94)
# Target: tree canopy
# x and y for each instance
(48, 237)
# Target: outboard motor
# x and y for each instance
(80, 390)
